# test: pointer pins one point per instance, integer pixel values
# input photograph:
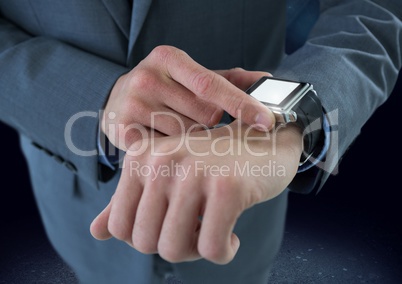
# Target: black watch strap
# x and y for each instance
(309, 117)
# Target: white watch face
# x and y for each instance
(274, 91)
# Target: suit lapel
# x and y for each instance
(139, 13)
(121, 14)
(129, 22)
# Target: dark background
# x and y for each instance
(351, 232)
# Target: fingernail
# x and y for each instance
(263, 122)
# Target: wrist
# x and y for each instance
(286, 136)
(291, 135)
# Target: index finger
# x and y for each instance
(215, 89)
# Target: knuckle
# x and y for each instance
(163, 152)
(214, 253)
(144, 245)
(142, 79)
(118, 231)
(162, 53)
(203, 84)
(159, 160)
(166, 55)
(171, 253)
(223, 189)
(233, 75)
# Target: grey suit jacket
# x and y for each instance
(61, 58)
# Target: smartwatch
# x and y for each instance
(293, 102)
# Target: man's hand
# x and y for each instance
(181, 196)
(169, 81)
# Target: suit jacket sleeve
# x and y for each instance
(43, 84)
(352, 57)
